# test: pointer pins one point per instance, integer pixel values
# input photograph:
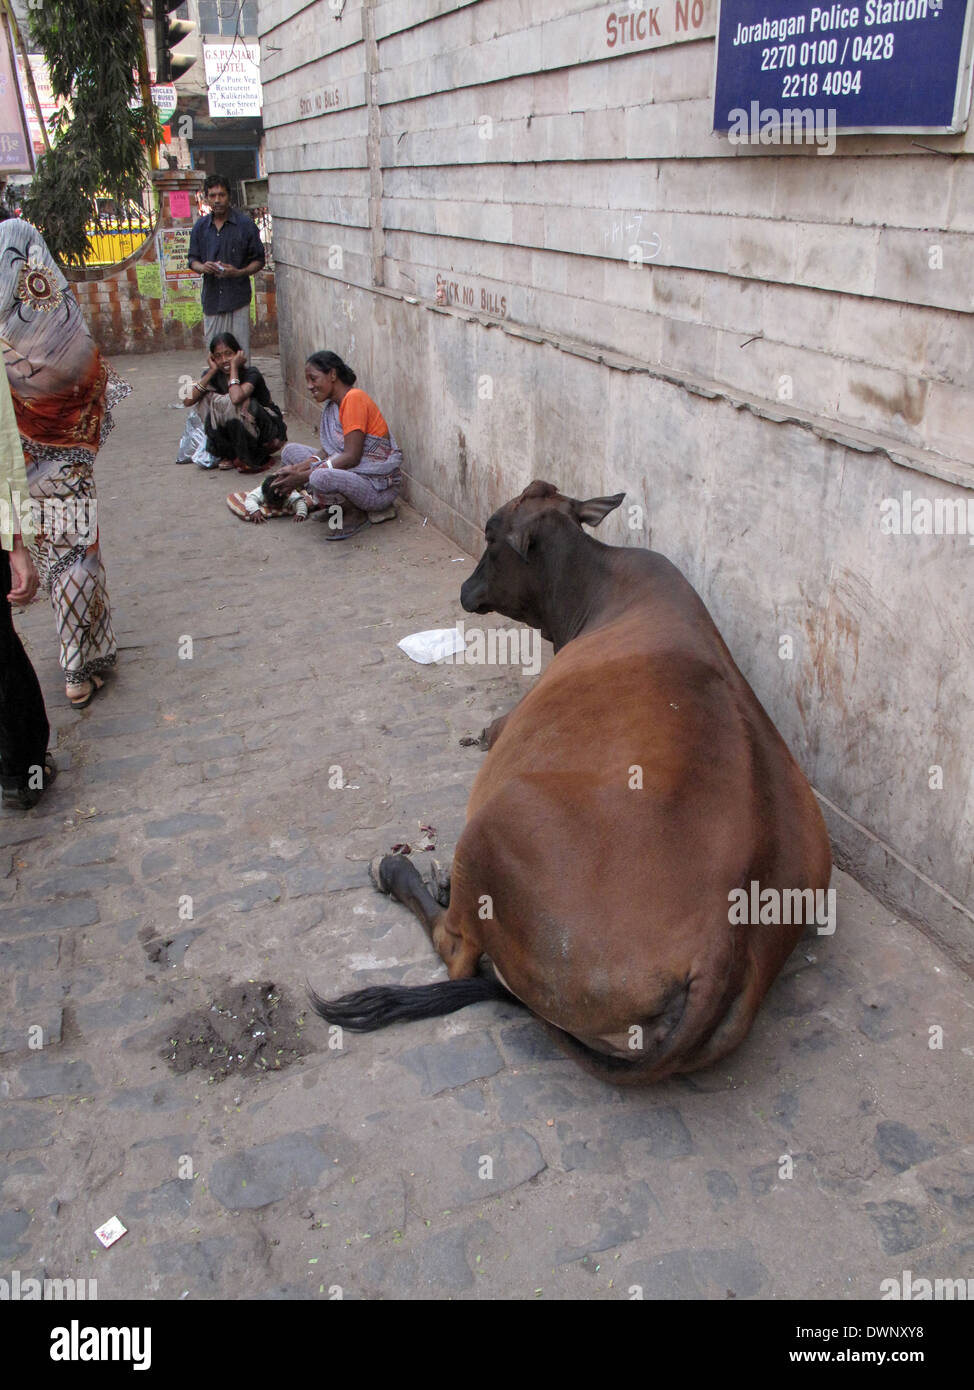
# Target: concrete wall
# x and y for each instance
(457, 190)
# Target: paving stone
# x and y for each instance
(132, 1007)
(243, 898)
(721, 1186)
(305, 879)
(32, 953)
(172, 1198)
(207, 748)
(658, 1131)
(785, 1108)
(18, 1037)
(690, 1274)
(68, 912)
(156, 862)
(40, 1077)
(950, 1182)
(112, 725)
(523, 1097)
(121, 770)
(901, 1227)
(438, 1267)
(617, 1225)
(158, 1097)
(598, 1154)
(200, 1264)
(493, 1164)
(187, 823)
(269, 1172)
(91, 849)
(899, 1147)
(460, 1059)
(25, 1127)
(81, 879)
(528, 1042)
(13, 1224)
(813, 1036)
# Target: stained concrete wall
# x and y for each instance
(457, 190)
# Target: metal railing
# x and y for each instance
(265, 225)
(116, 235)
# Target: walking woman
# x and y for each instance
(63, 394)
(358, 466)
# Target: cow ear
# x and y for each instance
(596, 509)
(520, 540)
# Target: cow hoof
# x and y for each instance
(482, 741)
(375, 873)
(439, 879)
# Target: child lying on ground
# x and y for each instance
(270, 499)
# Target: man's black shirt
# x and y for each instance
(236, 243)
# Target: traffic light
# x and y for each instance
(169, 33)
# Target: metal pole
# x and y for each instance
(31, 86)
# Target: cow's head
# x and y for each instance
(529, 542)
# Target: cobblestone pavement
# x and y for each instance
(360, 1168)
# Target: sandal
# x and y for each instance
(97, 683)
(26, 798)
(347, 531)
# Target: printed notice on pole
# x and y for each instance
(233, 78)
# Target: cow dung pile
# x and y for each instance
(248, 1028)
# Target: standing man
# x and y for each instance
(226, 249)
(26, 768)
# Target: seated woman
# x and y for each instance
(244, 427)
(357, 467)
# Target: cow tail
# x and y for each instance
(366, 1010)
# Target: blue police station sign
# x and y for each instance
(878, 65)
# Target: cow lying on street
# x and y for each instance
(623, 804)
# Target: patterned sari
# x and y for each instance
(63, 393)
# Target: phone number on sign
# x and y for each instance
(865, 48)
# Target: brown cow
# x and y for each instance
(623, 803)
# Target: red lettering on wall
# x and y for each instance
(610, 31)
(688, 14)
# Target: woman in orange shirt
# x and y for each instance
(357, 469)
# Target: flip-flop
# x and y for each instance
(86, 700)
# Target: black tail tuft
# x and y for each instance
(368, 1009)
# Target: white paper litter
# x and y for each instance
(112, 1231)
(435, 645)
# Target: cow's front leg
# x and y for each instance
(398, 876)
(489, 735)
